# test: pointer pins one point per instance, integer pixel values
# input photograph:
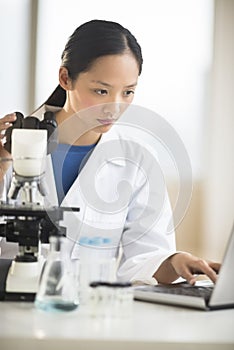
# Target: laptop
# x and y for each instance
(203, 295)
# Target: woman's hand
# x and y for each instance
(5, 123)
(187, 266)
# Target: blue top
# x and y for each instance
(67, 163)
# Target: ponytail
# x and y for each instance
(57, 98)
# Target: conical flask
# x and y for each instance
(58, 284)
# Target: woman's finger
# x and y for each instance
(201, 266)
(7, 120)
(188, 275)
(215, 266)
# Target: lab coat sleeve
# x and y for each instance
(5, 184)
(4, 187)
(148, 238)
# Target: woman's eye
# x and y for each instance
(101, 91)
(129, 92)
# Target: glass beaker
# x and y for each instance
(58, 288)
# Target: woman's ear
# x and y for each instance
(64, 79)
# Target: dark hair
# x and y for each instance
(90, 41)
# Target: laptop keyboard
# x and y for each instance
(184, 289)
(180, 289)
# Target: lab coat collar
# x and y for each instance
(113, 134)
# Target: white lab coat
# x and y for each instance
(121, 196)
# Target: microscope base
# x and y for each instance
(5, 295)
(9, 296)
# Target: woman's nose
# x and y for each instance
(112, 109)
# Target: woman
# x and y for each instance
(97, 79)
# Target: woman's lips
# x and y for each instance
(106, 121)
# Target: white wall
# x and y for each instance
(218, 204)
(15, 34)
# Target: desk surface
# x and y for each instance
(150, 326)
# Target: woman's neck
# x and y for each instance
(73, 131)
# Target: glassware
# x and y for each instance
(97, 263)
(113, 300)
(58, 288)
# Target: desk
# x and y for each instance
(150, 326)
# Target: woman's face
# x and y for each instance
(101, 94)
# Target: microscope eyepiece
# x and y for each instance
(30, 122)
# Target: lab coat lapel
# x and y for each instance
(51, 198)
(76, 196)
(73, 197)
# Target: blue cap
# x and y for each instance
(94, 241)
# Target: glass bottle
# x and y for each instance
(58, 284)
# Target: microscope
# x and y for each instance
(25, 220)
